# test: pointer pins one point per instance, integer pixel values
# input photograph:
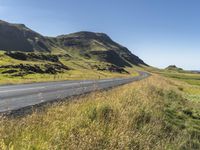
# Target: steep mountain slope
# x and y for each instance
(27, 56)
(98, 46)
(17, 37)
(86, 45)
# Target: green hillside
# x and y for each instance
(27, 56)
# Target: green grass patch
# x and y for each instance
(189, 85)
(149, 114)
(79, 68)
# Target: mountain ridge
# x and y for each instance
(86, 44)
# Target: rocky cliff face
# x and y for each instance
(98, 46)
(89, 45)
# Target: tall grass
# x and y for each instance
(149, 114)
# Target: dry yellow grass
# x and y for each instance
(148, 114)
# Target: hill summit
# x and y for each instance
(87, 45)
(18, 37)
(174, 67)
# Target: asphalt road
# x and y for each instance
(15, 97)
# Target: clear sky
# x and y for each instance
(161, 32)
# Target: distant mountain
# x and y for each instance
(174, 67)
(89, 45)
(195, 71)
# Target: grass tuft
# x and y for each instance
(149, 114)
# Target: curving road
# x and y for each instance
(16, 97)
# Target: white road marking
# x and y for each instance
(64, 85)
(71, 84)
(22, 89)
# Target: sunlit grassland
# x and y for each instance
(190, 78)
(80, 68)
(189, 82)
(149, 114)
(186, 76)
(82, 74)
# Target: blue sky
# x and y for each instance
(161, 32)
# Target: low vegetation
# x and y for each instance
(27, 56)
(161, 112)
(20, 67)
(190, 82)
(191, 78)
(149, 114)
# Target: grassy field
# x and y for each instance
(181, 75)
(82, 74)
(149, 114)
(189, 82)
(79, 68)
(191, 78)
